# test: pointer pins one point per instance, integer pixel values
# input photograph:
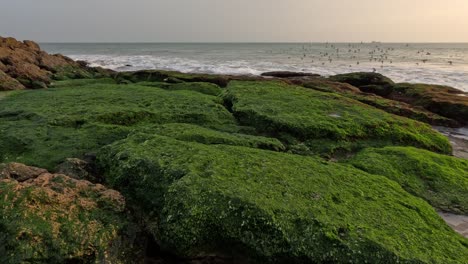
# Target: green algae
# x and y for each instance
(48, 225)
(305, 114)
(273, 207)
(439, 179)
(81, 82)
(43, 127)
(194, 133)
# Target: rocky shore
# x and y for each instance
(166, 167)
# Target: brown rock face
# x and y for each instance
(8, 83)
(20, 172)
(33, 68)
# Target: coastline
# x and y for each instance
(175, 167)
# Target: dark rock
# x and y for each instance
(173, 80)
(288, 74)
(20, 172)
(366, 81)
(443, 100)
(79, 169)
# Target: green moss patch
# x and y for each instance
(439, 179)
(274, 207)
(306, 117)
(44, 127)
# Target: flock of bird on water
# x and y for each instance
(373, 52)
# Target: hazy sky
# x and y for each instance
(235, 20)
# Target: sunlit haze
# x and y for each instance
(235, 21)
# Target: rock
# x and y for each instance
(52, 218)
(395, 107)
(288, 74)
(7, 83)
(301, 117)
(173, 80)
(367, 81)
(32, 45)
(443, 100)
(79, 169)
(271, 207)
(34, 68)
(441, 180)
(20, 172)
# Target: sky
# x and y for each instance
(235, 20)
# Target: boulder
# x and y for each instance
(52, 218)
(8, 83)
(443, 100)
(34, 68)
(79, 169)
(388, 105)
(269, 207)
(315, 122)
(367, 81)
(441, 180)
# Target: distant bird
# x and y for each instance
(450, 62)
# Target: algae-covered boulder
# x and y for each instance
(52, 218)
(54, 127)
(443, 100)
(162, 76)
(439, 179)
(367, 81)
(270, 207)
(324, 123)
(390, 106)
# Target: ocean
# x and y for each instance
(435, 63)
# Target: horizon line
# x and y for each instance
(249, 42)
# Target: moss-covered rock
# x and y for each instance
(272, 207)
(45, 127)
(324, 123)
(439, 179)
(390, 106)
(52, 218)
(367, 81)
(162, 76)
(194, 133)
(443, 100)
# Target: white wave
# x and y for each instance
(399, 72)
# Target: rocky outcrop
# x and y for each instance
(25, 65)
(367, 81)
(443, 100)
(435, 104)
(56, 219)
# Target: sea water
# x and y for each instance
(434, 63)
